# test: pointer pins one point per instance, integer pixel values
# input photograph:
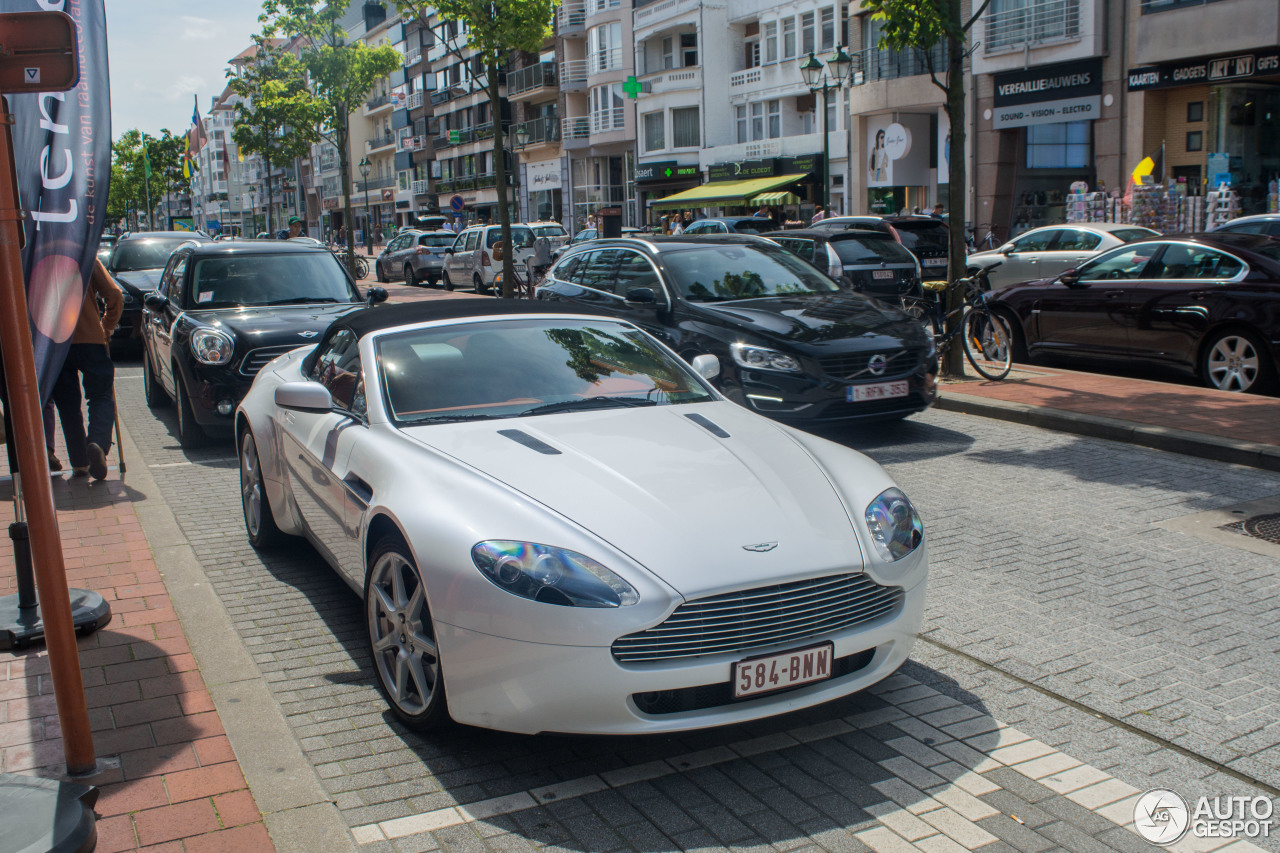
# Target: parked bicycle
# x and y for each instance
(524, 288)
(361, 262)
(987, 337)
(986, 244)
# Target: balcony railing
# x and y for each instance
(414, 101)
(573, 74)
(875, 64)
(577, 127)
(420, 187)
(379, 183)
(604, 121)
(413, 57)
(541, 130)
(673, 80)
(571, 17)
(484, 131)
(1035, 23)
(605, 60)
(381, 141)
(441, 96)
(522, 80)
(377, 101)
(444, 186)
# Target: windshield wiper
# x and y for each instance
(589, 403)
(301, 300)
(439, 419)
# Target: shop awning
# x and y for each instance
(776, 198)
(725, 192)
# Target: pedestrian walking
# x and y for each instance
(295, 227)
(89, 363)
(818, 215)
(677, 226)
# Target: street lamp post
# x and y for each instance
(253, 210)
(365, 165)
(817, 77)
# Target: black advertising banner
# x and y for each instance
(62, 150)
(1067, 91)
(1218, 69)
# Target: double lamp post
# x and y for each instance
(835, 74)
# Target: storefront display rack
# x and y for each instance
(1221, 205)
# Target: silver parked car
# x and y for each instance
(1045, 252)
(416, 256)
(1261, 223)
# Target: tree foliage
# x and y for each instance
(129, 185)
(340, 74)
(493, 29)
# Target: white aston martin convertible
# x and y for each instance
(557, 525)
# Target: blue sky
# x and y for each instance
(162, 52)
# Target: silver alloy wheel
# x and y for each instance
(1233, 363)
(250, 484)
(404, 648)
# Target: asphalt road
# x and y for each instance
(1059, 605)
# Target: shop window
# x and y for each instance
(684, 128)
(1195, 111)
(1195, 140)
(1061, 145)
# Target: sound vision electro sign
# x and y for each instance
(1069, 91)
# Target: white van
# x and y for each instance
(471, 261)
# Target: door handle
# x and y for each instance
(1114, 294)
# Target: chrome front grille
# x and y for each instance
(853, 365)
(257, 359)
(764, 616)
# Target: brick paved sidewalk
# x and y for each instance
(168, 777)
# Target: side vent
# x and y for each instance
(709, 425)
(521, 437)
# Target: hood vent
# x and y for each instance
(709, 425)
(521, 437)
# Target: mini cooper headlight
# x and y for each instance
(551, 575)
(894, 524)
(760, 358)
(211, 346)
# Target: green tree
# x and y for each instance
(920, 25)
(166, 153)
(279, 115)
(126, 177)
(493, 30)
(340, 75)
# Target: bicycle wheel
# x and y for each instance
(988, 343)
(362, 267)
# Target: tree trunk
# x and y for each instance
(270, 230)
(500, 175)
(343, 138)
(954, 363)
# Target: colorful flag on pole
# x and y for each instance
(62, 152)
(146, 162)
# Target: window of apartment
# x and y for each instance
(1195, 111)
(774, 109)
(598, 6)
(740, 120)
(655, 131)
(806, 33)
(827, 31)
(1011, 23)
(1061, 145)
(668, 53)
(689, 49)
(606, 108)
(684, 128)
(770, 42)
(752, 57)
(604, 47)
(788, 38)
(1195, 140)
(757, 120)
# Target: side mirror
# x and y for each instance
(1007, 249)
(155, 301)
(706, 365)
(1071, 278)
(642, 295)
(449, 251)
(376, 295)
(304, 397)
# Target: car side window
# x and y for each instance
(1181, 261)
(1037, 242)
(1119, 265)
(164, 287)
(597, 273)
(1075, 240)
(177, 279)
(634, 270)
(1248, 228)
(802, 248)
(564, 270)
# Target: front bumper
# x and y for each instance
(530, 688)
(211, 387)
(801, 399)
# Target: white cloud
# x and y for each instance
(199, 29)
(182, 88)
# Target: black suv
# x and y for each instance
(929, 239)
(223, 310)
(136, 261)
(792, 343)
(870, 262)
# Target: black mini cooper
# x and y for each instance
(223, 310)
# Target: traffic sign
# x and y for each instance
(457, 204)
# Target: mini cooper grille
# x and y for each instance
(853, 365)
(257, 359)
(761, 617)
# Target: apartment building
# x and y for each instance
(533, 89)
(219, 184)
(414, 124)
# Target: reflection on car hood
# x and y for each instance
(818, 319)
(140, 280)
(276, 325)
(676, 498)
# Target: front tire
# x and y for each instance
(190, 434)
(444, 279)
(259, 521)
(379, 273)
(402, 639)
(988, 344)
(1237, 361)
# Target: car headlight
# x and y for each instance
(211, 346)
(761, 358)
(551, 575)
(894, 524)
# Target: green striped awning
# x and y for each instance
(776, 198)
(725, 192)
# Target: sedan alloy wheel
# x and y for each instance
(402, 637)
(1234, 362)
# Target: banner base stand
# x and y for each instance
(22, 626)
(46, 814)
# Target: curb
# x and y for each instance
(1169, 439)
(299, 815)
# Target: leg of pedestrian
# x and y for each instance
(98, 374)
(66, 398)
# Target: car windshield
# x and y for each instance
(267, 279)
(145, 253)
(1128, 235)
(444, 239)
(550, 231)
(871, 250)
(923, 236)
(722, 273)
(521, 368)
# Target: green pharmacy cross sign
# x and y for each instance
(632, 87)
